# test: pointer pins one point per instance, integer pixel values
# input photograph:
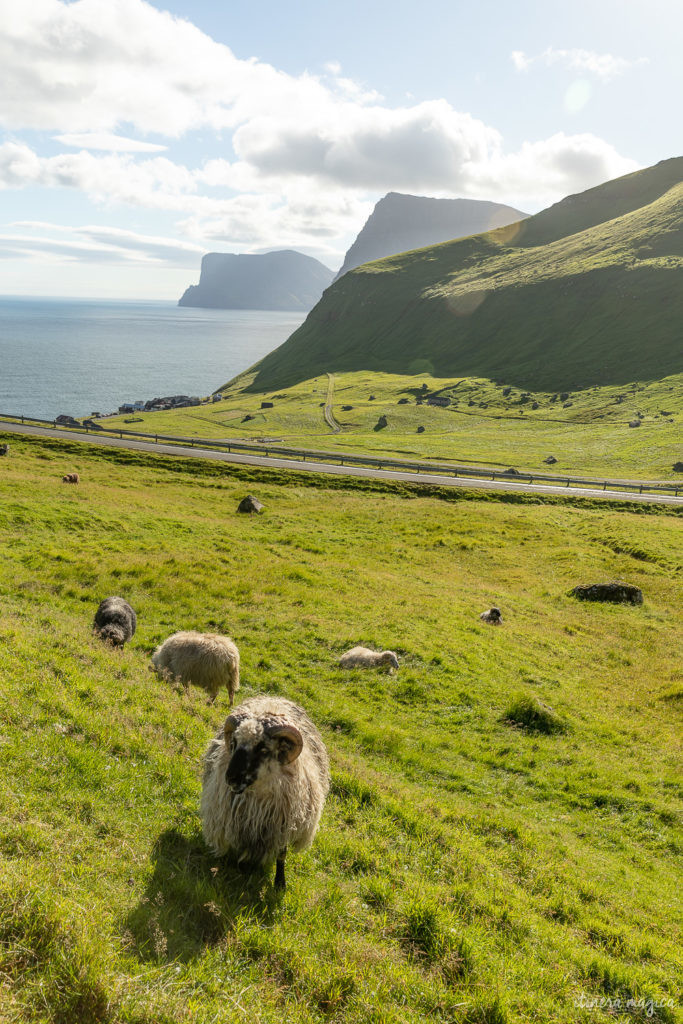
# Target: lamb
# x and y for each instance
(266, 777)
(71, 478)
(207, 659)
(492, 616)
(362, 657)
(115, 621)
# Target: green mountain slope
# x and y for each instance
(587, 292)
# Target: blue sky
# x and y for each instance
(134, 137)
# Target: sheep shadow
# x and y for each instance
(192, 899)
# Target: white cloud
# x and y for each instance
(603, 65)
(107, 141)
(96, 244)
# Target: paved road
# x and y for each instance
(325, 467)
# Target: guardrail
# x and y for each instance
(347, 459)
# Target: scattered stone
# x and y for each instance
(506, 392)
(347, 408)
(403, 401)
(371, 398)
(553, 398)
(92, 425)
(420, 430)
(511, 472)
(634, 423)
(616, 593)
(250, 504)
(664, 412)
(677, 466)
(4, 449)
(248, 417)
(382, 422)
(535, 405)
(266, 405)
(442, 400)
(66, 421)
(565, 405)
(492, 616)
(564, 396)
(471, 402)
(550, 461)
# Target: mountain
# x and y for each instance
(587, 292)
(273, 280)
(400, 223)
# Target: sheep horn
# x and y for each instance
(231, 723)
(294, 742)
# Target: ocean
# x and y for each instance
(78, 356)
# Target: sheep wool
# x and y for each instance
(209, 660)
(266, 778)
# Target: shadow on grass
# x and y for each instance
(193, 899)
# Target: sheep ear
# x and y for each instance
(290, 742)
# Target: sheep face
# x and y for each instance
(113, 635)
(389, 659)
(256, 748)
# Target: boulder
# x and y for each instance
(420, 430)
(382, 422)
(511, 472)
(266, 405)
(403, 401)
(250, 504)
(347, 408)
(634, 423)
(616, 592)
(535, 405)
(677, 466)
(550, 461)
(4, 449)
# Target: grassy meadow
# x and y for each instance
(501, 841)
(485, 424)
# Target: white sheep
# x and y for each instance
(363, 657)
(266, 777)
(492, 616)
(207, 659)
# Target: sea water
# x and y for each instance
(80, 356)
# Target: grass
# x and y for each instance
(585, 293)
(486, 424)
(464, 871)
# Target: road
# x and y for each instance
(309, 466)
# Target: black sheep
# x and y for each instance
(115, 621)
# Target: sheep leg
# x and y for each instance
(280, 871)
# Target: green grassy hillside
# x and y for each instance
(588, 432)
(589, 292)
(468, 869)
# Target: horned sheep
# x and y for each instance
(115, 621)
(266, 777)
(209, 660)
(363, 657)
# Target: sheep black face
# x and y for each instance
(254, 745)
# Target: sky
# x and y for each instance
(136, 136)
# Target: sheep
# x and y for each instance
(71, 478)
(4, 449)
(115, 621)
(362, 657)
(265, 780)
(206, 659)
(492, 616)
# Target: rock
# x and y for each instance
(634, 423)
(245, 419)
(511, 472)
(471, 402)
(4, 449)
(616, 593)
(550, 461)
(266, 405)
(382, 422)
(665, 412)
(535, 405)
(347, 408)
(403, 401)
(492, 616)
(565, 405)
(506, 392)
(564, 396)
(677, 466)
(420, 430)
(371, 398)
(250, 504)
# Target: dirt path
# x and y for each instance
(327, 413)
